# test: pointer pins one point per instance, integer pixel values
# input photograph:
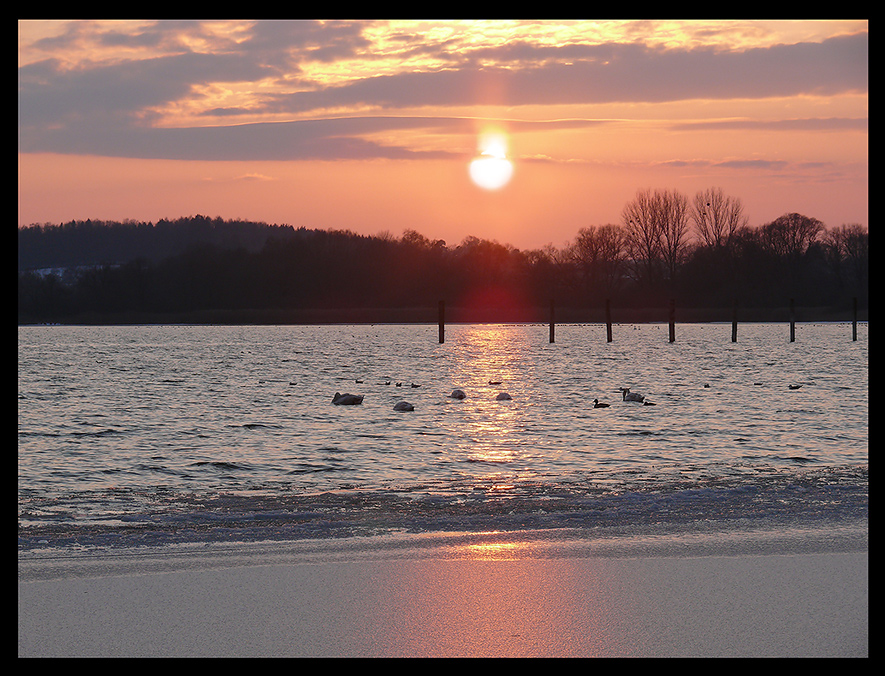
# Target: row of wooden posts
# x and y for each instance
(672, 322)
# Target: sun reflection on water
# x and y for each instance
(491, 449)
(492, 551)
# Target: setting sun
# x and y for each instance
(492, 170)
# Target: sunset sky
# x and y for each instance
(371, 126)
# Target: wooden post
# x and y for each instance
(552, 330)
(672, 320)
(734, 323)
(608, 320)
(854, 321)
(792, 322)
(442, 321)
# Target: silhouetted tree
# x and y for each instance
(105, 268)
(656, 235)
(788, 238)
(717, 217)
(598, 254)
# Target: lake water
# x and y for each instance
(153, 435)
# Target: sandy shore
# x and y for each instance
(487, 602)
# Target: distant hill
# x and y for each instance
(209, 269)
(90, 243)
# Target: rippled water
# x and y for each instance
(152, 434)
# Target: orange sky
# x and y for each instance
(371, 126)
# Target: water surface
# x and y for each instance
(156, 434)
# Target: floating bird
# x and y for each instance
(494, 382)
(599, 404)
(635, 396)
(458, 394)
(414, 385)
(503, 396)
(347, 399)
(403, 406)
(794, 387)
(627, 395)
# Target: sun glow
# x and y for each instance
(492, 170)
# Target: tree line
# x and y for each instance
(701, 252)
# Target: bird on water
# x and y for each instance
(635, 396)
(347, 399)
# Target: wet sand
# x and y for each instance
(494, 603)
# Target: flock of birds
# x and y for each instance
(348, 399)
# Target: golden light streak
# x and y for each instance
(492, 551)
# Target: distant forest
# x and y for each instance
(209, 270)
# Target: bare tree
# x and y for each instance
(848, 249)
(598, 253)
(790, 235)
(642, 235)
(673, 208)
(656, 229)
(717, 217)
(788, 238)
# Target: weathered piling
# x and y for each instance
(734, 323)
(552, 325)
(442, 321)
(672, 320)
(854, 321)
(792, 321)
(608, 320)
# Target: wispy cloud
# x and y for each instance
(803, 124)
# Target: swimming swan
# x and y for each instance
(503, 396)
(598, 404)
(458, 394)
(343, 399)
(403, 406)
(627, 395)
(635, 396)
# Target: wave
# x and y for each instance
(218, 464)
(595, 506)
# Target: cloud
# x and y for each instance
(243, 178)
(804, 124)
(113, 106)
(50, 94)
(610, 73)
(323, 139)
(300, 140)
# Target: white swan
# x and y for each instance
(599, 404)
(635, 396)
(503, 396)
(403, 406)
(458, 394)
(345, 399)
(627, 395)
